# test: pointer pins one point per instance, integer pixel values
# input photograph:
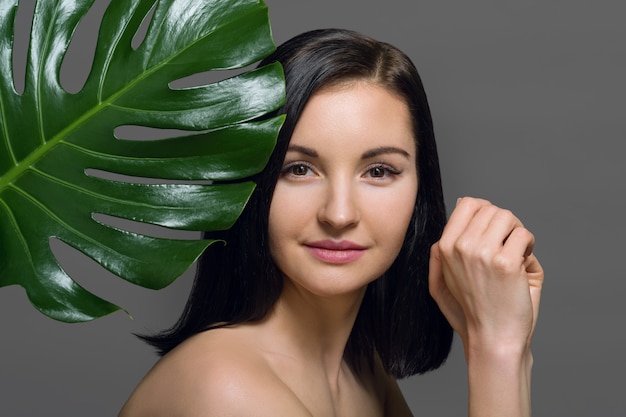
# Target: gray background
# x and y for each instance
(528, 103)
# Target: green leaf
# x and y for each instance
(62, 166)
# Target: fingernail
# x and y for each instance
(458, 200)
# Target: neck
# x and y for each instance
(315, 328)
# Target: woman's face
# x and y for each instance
(347, 189)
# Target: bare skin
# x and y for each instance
(487, 282)
(291, 363)
(343, 156)
(239, 372)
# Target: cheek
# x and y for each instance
(395, 215)
(289, 212)
(275, 226)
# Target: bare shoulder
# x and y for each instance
(394, 403)
(211, 374)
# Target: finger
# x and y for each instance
(440, 292)
(479, 223)
(503, 223)
(461, 216)
(436, 282)
(533, 266)
(535, 282)
(435, 275)
(519, 244)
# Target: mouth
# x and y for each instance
(335, 252)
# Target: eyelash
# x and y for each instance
(289, 167)
(387, 170)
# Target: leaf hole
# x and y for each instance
(208, 77)
(78, 58)
(21, 42)
(142, 133)
(130, 179)
(80, 267)
(142, 30)
(145, 229)
(156, 307)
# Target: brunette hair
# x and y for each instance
(239, 282)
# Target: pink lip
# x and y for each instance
(334, 252)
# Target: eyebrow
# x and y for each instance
(384, 150)
(303, 150)
(366, 155)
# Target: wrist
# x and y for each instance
(499, 348)
(499, 377)
(501, 358)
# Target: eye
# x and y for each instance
(381, 171)
(297, 169)
(377, 172)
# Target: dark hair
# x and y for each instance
(239, 282)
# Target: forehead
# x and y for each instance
(356, 114)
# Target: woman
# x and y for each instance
(339, 277)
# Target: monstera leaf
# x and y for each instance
(63, 169)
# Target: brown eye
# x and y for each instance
(299, 170)
(377, 172)
(381, 172)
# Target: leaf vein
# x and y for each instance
(20, 234)
(109, 58)
(60, 221)
(104, 196)
(41, 76)
(5, 128)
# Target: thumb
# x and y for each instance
(535, 275)
(435, 275)
(440, 292)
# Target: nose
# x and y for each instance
(339, 208)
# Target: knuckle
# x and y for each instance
(446, 247)
(523, 234)
(490, 208)
(526, 234)
(485, 255)
(505, 214)
(463, 246)
(473, 203)
(503, 264)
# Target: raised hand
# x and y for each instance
(487, 282)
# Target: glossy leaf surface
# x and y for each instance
(62, 166)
